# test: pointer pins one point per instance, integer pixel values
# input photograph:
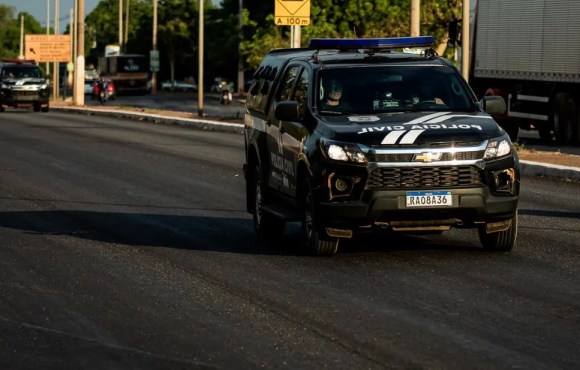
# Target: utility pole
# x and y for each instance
(295, 36)
(47, 29)
(21, 55)
(465, 40)
(415, 17)
(79, 95)
(200, 62)
(154, 74)
(56, 69)
(121, 26)
(240, 61)
(127, 22)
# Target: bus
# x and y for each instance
(129, 72)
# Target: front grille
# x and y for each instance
(424, 177)
(24, 93)
(408, 157)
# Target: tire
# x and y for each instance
(563, 118)
(316, 240)
(266, 225)
(502, 241)
(36, 107)
(45, 109)
(545, 133)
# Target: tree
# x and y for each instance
(10, 31)
(352, 18)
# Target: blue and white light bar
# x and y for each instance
(373, 43)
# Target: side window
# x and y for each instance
(287, 83)
(301, 93)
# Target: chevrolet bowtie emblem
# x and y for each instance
(426, 157)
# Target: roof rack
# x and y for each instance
(386, 43)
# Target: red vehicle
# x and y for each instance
(109, 90)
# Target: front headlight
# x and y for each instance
(344, 152)
(498, 148)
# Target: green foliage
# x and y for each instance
(10, 30)
(178, 30)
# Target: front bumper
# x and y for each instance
(388, 208)
(485, 192)
(17, 98)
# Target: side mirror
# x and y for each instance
(493, 104)
(287, 111)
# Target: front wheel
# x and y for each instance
(316, 239)
(502, 241)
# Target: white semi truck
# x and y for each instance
(528, 51)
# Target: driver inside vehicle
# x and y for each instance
(333, 100)
(423, 94)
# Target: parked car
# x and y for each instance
(178, 86)
(89, 86)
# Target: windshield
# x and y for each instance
(21, 72)
(395, 88)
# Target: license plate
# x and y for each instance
(429, 199)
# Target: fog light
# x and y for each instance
(504, 180)
(341, 185)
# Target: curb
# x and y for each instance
(550, 170)
(205, 124)
(528, 167)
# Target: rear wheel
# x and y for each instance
(316, 238)
(563, 118)
(501, 241)
(266, 225)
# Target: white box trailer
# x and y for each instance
(528, 51)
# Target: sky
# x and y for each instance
(37, 8)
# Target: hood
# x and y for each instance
(24, 81)
(422, 129)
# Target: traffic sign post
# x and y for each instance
(292, 12)
(154, 60)
(48, 48)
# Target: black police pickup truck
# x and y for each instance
(22, 84)
(357, 134)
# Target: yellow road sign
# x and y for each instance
(292, 12)
(47, 48)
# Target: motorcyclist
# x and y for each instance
(102, 84)
(226, 93)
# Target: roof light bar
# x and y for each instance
(373, 43)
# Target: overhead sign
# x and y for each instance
(47, 48)
(292, 12)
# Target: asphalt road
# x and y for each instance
(125, 245)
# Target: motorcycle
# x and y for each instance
(103, 90)
(226, 97)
